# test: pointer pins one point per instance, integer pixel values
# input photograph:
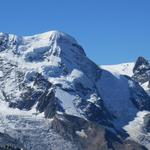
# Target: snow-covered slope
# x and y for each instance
(47, 75)
(139, 72)
(124, 68)
(137, 131)
(116, 93)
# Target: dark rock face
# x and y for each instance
(30, 96)
(139, 97)
(149, 85)
(141, 70)
(49, 104)
(147, 122)
(91, 136)
(3, 42)
(9, 43)
(95, 112)
(141, 61)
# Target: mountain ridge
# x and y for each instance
(48, 78)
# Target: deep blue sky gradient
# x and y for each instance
(110, 31)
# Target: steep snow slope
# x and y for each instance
(127, 69)
(116, 93)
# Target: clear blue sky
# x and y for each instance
(110, 31)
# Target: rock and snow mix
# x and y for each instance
(48, 74)
(135, 129)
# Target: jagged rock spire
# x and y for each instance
(141, 61)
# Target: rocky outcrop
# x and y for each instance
(138, 96)
(141, 70)
(147, 123)
(91, 136)
(140, 63)
(142, 73)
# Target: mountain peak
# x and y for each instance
(141, 62)
(61, 35)
(48, 43)
(48, 75)
(54, 35)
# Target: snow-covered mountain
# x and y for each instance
(139, 71)
(53, 97)
(138, 129)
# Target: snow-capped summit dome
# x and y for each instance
(52, 43)
(53, 53)
(40, 47)
(53, 36)
(57, 35)
(24, 44)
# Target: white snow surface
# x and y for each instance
(67, 101)
(135, 130)
(114, 90)
(1, 74)
(81, 133)
(124, 68)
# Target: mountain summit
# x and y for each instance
(140, 63)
